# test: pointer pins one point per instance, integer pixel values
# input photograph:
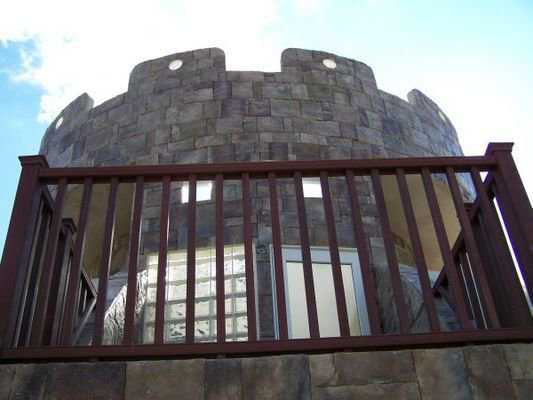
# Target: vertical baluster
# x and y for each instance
(47, 269)
(191, 261)
(369, 284)
(162, 263)
(27, 304)
(503, 259)
(473, 251)
(515, 208)
(444, 246)
(469, 287)
(278, 259)
(248, 257)
(15, 262)
(390, 251)
(219, 216)
(75, 268)
(135, 234)
(312, 315)
(334, 255)
(56, 304)
(416, 243)
(103, 277)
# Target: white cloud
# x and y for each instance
(93, 46)
(307, 7)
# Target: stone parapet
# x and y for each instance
(471, 372)
(203, 113)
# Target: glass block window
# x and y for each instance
(205, 329)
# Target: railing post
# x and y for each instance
(16, 253)
(515, 208)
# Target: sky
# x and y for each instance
(474, 58)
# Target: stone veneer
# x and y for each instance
(202, 113)
(460, 373)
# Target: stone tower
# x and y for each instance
(187, 108)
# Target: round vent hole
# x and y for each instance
(329, 63)
(175, 65)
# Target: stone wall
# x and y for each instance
(461, 373)
(201, 113)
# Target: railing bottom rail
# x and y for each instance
(264, 348)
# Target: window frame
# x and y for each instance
(320, 254)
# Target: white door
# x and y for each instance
(328, 321)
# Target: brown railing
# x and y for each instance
(48, 301)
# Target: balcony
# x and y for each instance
(139, 262)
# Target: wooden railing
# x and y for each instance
(46, 297)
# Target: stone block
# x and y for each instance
(98, 139)
(277, 90)
(325, 128)
(222, 90)
(233, 107)
(7, 374)
(305, 151)
(188, 130)
(133, 144)
(270, 378)
(278, 151)
(258, 90)
(242, 90)
(149, 120)
(122, 115)
(488, 373)
(372, 367)
(345, 113)
(249, 125)
(319, 92)
(29, 381)
(197, 156)
(345, 80)
(520, 360)
(284, 108)
(442, 374)
(270, 124)
(341, 97)
(224, 153)
(299, 91)
(223, 379)
(162, 135)
(180, 379)
(387, 391)
(312, 109)
(103, 380)
(212, 109)
(319, 77)
(229, 125)
(244, 76)
(523, 389)
(259, 108)
(204, 94)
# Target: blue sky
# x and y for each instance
(474, 58)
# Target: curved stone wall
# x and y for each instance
(201, 113)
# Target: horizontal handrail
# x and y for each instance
(261, 169)
(266, 347)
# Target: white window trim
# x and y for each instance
(204, 191)
(320, 254)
